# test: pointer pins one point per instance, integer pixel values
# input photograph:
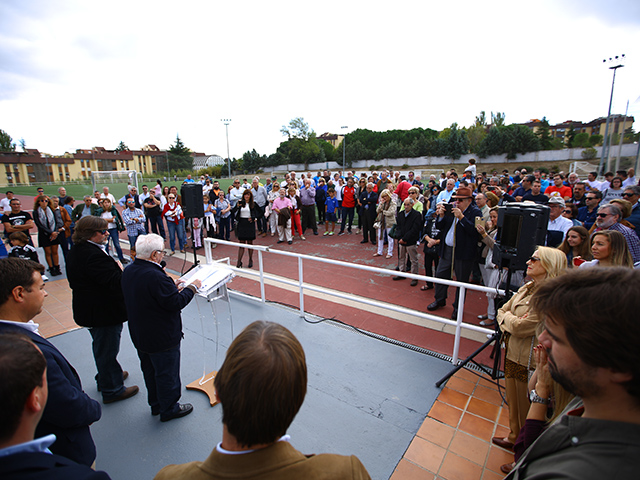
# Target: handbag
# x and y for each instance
(392, 232)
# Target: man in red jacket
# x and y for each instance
(348, 205)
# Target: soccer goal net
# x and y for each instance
(116, 180)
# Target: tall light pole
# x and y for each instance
(616, 64)
(344, 142)
(226, 122)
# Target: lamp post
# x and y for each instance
(344, 142)
(616, 64)
(226, 122)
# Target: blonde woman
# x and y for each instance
(387, 217)
(519, 322)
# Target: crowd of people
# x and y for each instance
(571, 378)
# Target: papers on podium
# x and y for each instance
(212, 276)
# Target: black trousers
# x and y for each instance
(462, 269)
(368, 232)
(309, 218)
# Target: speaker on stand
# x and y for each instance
(192, 207)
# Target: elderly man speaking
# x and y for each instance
(154, 303)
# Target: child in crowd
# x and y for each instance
(330, 209)
(21, 248)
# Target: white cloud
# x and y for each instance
(84, 74)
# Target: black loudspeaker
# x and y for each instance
(192, 202)
(521, 228)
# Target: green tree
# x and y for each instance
(477, 132)
(23, 145)
(581, 140)
(330, 153)
(252, 161)
(355, 151)
(180, 156)
(457, 142)
(519, 140)
(497, 119)
(297, 128)
(544, 135)
(570, 136)
(390, 150)
(6, 142)
(121, 147)
(595, 140)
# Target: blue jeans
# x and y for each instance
(224, 228)
(176, 228)
(113, 233)
(161, 372)
(106, 345)
(347, 212)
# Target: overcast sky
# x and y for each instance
(78, 74)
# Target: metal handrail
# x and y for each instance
(458, 323)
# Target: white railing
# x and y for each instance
(458, 323)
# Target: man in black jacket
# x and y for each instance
(94, 277)
(458, 246)
(408, 225)
(368, 201)
(154, 303)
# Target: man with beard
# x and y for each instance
(595, 358)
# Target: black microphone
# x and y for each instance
(163, 264)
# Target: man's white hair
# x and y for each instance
(147, 244)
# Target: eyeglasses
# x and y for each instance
(591, 198)
(568, 211)
(171, 196)
(534, 259)
(104, 232)
(603, 215)
(628, 194)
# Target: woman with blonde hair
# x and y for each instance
(385, 220)
(609, 249)
(518, 323)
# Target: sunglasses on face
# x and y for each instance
(104, 232)
(603, 215)
(628, 194)
(534, 259)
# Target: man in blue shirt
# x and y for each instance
(587, 215)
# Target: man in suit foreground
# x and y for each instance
(69, 411)
(261, 386)
(94, 277)
(23, 396)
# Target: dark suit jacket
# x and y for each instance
(44, 466)
(154, 305)
(279, 461)
(95, 278)
(370, 199)
(408, 227)
(69, 410)
(467, 236)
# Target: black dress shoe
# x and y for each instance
(435, 305)
(364, 241)
(128, 393)
(399, 278)
(250, 264)
(414, 282)
(280, 241)
(454, 315)
(183, 410)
